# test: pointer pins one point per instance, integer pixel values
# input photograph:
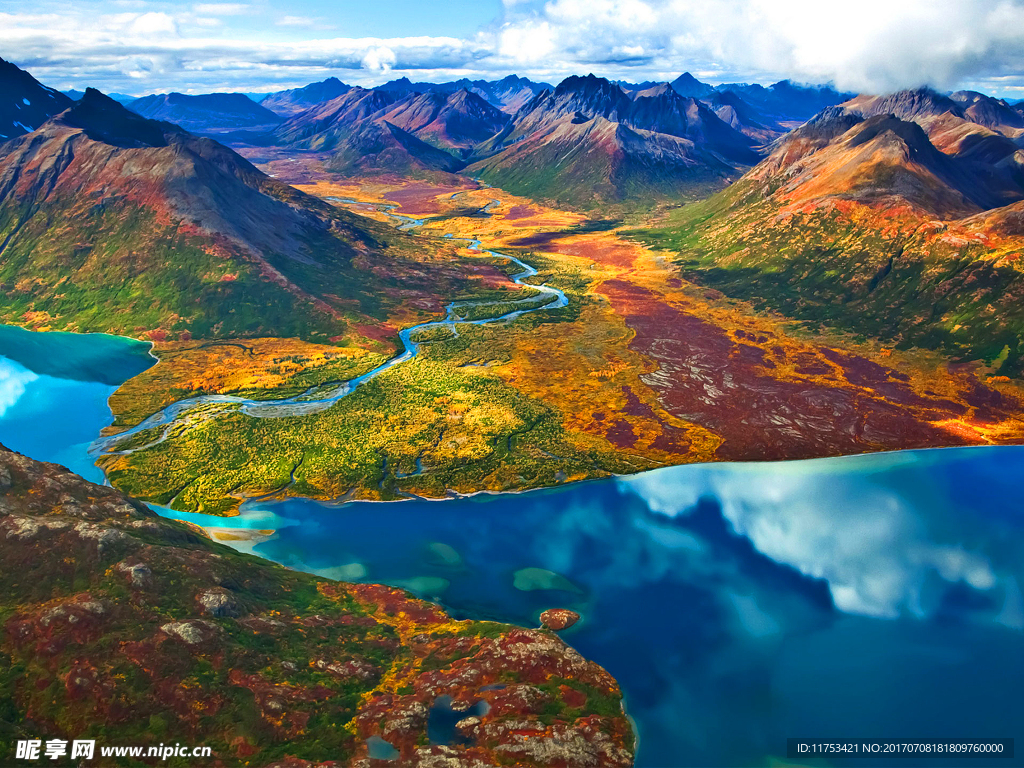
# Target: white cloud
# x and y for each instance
(221, 9)
(527, 43)
(296, 21)
(881, 46)
(379, 59)
(153, 24)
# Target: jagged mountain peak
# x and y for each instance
(827, 124)
(466, 96)
(593, 96)
(688, 85)
(989, 112)
(400, 85)
(881, 157)
(510, 80)
(457, 120)
(969, 97)
(838, 129)
(654, 90)
(588, 85)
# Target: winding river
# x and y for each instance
(873, 596)
(316, 399)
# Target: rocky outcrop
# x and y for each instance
(557, 619)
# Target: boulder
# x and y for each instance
(558, 619)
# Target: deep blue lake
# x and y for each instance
(737, 604)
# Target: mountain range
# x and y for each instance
(633, 144)
(897, 217)
(456, 120)
(588, 141)
(509, 94)
(295, 100)
(385, 131)
(628, 147)
(206, 113)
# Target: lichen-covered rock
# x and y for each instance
(139, 574)
(191, 632)
(357, 668)
(218, 602)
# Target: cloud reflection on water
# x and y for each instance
(879, 547)
(14, 380)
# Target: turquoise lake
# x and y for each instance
(737, 604)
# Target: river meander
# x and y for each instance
(737, 604)
(317, 399)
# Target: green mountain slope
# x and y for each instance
(865, 226)
(112, 222)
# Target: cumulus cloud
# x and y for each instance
(527, 43)
(153, 24)
(879, 46)
(379, 59)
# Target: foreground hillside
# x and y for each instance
(120, 626)
(898, 219)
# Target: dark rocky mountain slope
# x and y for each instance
(25, 103)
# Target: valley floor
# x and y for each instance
(641, 369)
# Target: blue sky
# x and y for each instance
(147, 46)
